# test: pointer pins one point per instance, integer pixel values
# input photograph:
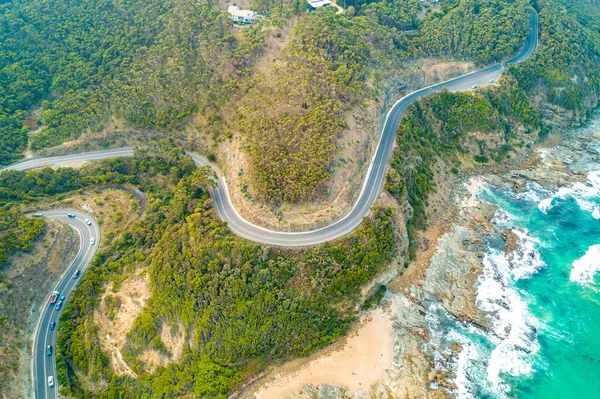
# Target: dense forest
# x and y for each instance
(565, 67)
(150, 63)
(242, 305)
(438, 128)
(155, 65)
(483, 31)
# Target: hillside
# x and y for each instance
(175, 305)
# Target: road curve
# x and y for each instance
(371, 186)
(42, 364)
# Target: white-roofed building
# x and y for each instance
(314, 4)
(240, 16)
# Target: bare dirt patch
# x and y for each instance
(24, 285)
(116, 314)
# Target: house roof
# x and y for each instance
(318, 3)
(235, 11)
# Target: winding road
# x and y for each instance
(44, 366)
(371, 186)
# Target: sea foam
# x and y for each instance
(514, 330)
(582, 193)
(585, 268)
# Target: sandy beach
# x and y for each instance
(356, 363)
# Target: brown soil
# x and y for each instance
(132, 294)
(24, 285)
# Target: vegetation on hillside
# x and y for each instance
(399, 14)
(150, 63)
(295, 110)
(564, 69)
(439, 127)
(481, 30)
(242, 305)
(17, 233)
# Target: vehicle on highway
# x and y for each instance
(50, 381)
(71, 215)
(53, 297)
(38, 215)
(59, 305)
(87, 221)
(92, 241)
(77, 273)
(52, 325)
(491, 80)
(62, 298)
(475, 86)
(49, 350)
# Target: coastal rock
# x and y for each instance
(329, 392)
(519, 185)
(309, 391)
(511, 241)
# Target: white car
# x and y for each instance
(475, 86)
(87, 221)
(92, 241)
(50, 381)
(491, 80)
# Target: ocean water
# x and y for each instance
(543, 299)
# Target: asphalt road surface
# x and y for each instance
(44, 365)
(371, 186)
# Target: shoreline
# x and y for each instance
(463, 219)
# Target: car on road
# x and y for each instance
(50, 381)
(87, 221)
(59, 305)
(92, 241)
(62, 298)
(52, 325)
(71, 215)
(49, 350)
(77, 273)
(475, 86)
(491, 80)
(38, 215)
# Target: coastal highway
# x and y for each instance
(373, 181)
(42, 364)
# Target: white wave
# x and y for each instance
(534, 193)
(585, 268)
(512, 337)
(581, 192)
(525, 260)
(545, 204)
(589, 206)
(514, 328)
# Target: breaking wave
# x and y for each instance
(585, 268)
(582, 193)
(480, 360)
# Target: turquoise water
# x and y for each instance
(563, 298)
(543, 300)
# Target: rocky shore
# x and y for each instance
(441, 283)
